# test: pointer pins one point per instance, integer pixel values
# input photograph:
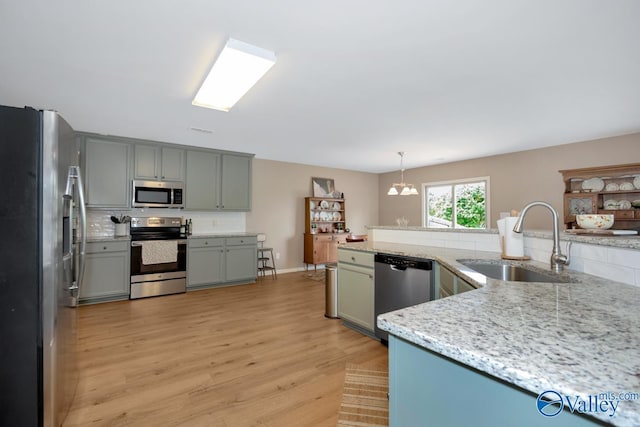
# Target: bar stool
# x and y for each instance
(266, 261)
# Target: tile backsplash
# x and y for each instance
(619, 264)
(99, 222)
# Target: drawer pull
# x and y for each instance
(104, 248)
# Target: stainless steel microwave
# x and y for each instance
(157, 194)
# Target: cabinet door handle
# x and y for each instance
(104, 248)
(206, 243)
(353, 259)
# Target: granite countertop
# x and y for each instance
(108, 238)
(219, 234)
(577, 338)
(630, 242)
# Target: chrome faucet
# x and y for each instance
(558, 260)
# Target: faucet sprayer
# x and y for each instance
(558, 260)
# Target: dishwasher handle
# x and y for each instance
(401, 263)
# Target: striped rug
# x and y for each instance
(364, 397)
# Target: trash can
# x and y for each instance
(331, 291)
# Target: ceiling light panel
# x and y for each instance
(239, 66)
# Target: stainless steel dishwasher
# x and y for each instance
(400, 282)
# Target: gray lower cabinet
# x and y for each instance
(241, 258)
(205, 262)
(105, 168)
(356, 289)
(218, 261)
(107, 276)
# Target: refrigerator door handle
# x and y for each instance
(76, 176)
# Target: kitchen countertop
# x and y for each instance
(629, 242)
(108, 238)
(229, 234)
(192, 236)
(576, 338)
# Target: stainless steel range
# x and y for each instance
(158, 257)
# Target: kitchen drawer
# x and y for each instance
(324, 237)
(247, 240)
(206, 242)
(107, 246)
(618, 214)
(356, 257)
(623, 214)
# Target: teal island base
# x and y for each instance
(427, 389)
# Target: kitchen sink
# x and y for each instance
(512, 273)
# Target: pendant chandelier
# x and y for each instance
(402, 188)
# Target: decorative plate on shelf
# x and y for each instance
(611, 204)
(324, 204)
(335, 206)
(312, 205)
(612, 186)
(624, 204)
(626, 186)
(594, 184)
(337, 216)
(636, 182)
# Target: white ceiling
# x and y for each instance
(355, 81)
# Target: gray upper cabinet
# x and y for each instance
(218, 181)
(158, 163)
(202, 181)
(236, 183)
(214, 180)
(106, 172)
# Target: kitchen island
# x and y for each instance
(485, 355)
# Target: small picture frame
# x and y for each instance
(323, 187)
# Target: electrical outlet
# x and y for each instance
(277, 255)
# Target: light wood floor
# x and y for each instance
(252, 355)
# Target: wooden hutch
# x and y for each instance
(324, 229)
(604, 190)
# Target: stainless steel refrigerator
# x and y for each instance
(42, 239)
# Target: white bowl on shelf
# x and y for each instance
(595, 221)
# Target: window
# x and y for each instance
(456, 204)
